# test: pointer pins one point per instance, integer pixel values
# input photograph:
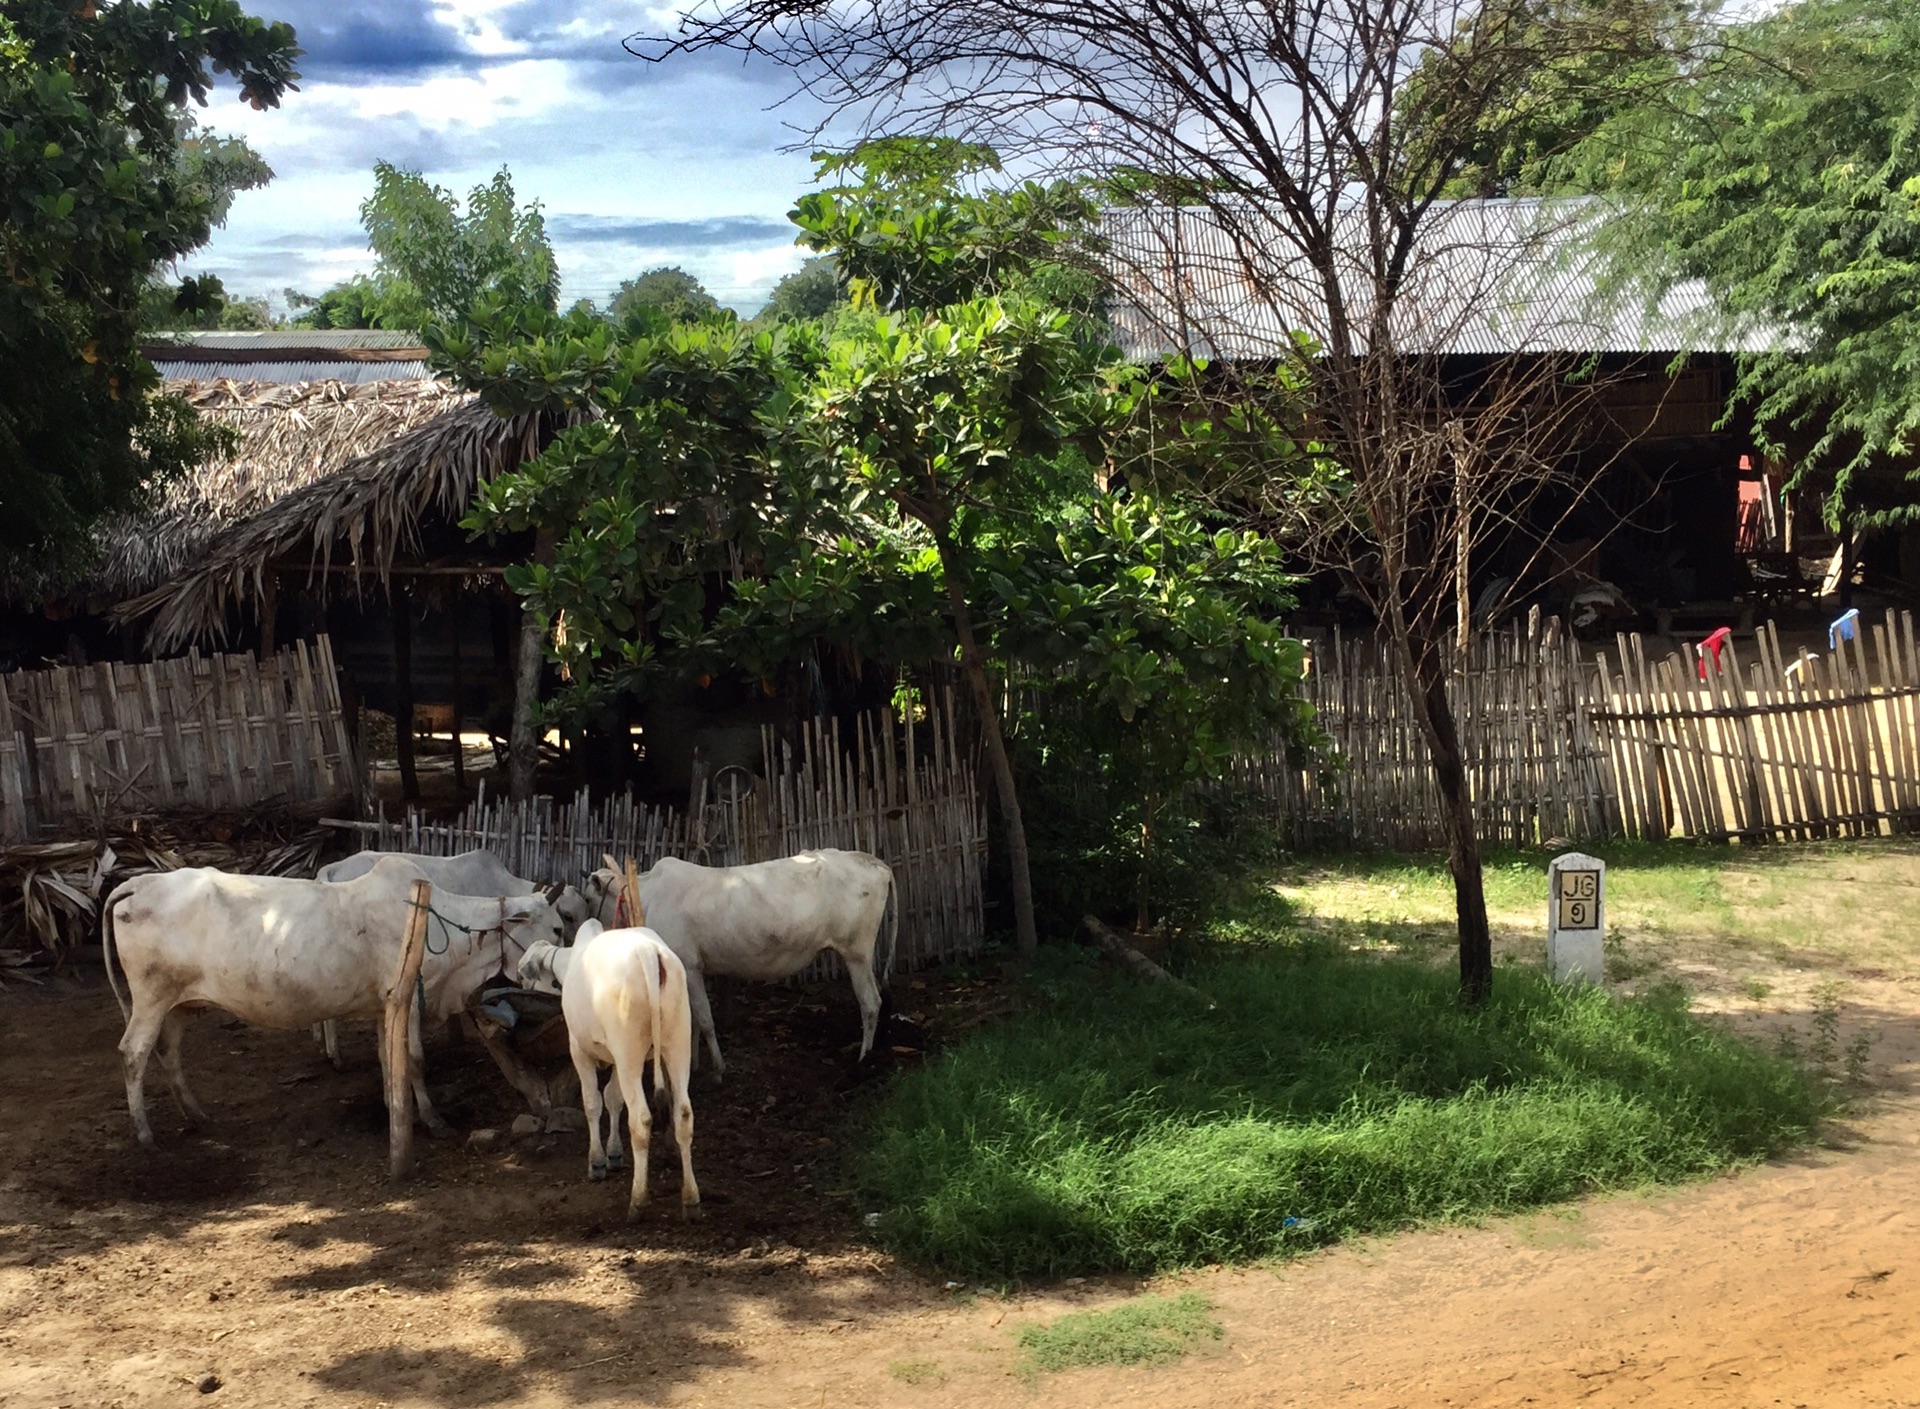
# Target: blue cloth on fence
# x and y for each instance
(1845, 627)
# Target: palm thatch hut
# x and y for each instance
(340, 512)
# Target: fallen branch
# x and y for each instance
(1131, 959)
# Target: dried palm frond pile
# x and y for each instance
(50, 892)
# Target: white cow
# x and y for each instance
(286, 953)
(767, 921)
(477, 872)
(624, 993)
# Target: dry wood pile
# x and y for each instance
(50, 891)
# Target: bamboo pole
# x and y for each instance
(394, 1033)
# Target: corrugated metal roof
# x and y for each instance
(291, 371)
(1488, 278)
(311, 339)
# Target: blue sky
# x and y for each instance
(637, 165)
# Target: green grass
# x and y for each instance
(1149, 1330)
(1328, 1094)
(915, 1372)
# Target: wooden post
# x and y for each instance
(523, 747)
(269, 611)
(400, 1012)
(459, 751)
(636, 912)
(400, 602)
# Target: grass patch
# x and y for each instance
(915, 1372)
(1150, 1330)
(1116, 1126)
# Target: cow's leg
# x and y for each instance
(703, 1019)
(868, 992)
(678, 1070)
(616, 1138)
(590, 1106)
(136, 1045)
(172, 1029)
(640, 1125)
(329, 1034)
(417, 1074)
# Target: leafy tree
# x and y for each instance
(435, 258)
(353, 303)
(918, 483)
(659, 297)
(1279, 138)
(202, 303)
(1544, 133)
(811, 291)
(102, 190)
(1789, 180)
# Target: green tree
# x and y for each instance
(811, 291)
(1789, 180)
(352, 303)
(916, 483)
(101, 192)
(659, 297)
(435, 259)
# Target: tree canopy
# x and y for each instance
(658, 297)
(917, 479)
(106, 184)
(811, 291)
(435, 258)
(1787, 176)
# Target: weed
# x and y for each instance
(1149, 1330)
(1858, 1051)
(1824, 1048)
(915, 1372)
(1755, 989)
(1325, 1095)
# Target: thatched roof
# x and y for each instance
(290, 436)
(363, 509)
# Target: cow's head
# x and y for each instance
(573, 905)
(527, 920)
(601, 893)
(543, 967)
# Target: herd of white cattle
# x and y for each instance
(288, 953)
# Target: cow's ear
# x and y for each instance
(612, 865)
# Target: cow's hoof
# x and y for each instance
(616, 1159)
(692, 1213)
(635, 1211)
(597, 1172)
(440, 1131)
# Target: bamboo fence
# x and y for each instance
(902, 788)
(221, 731)
(1623, 745)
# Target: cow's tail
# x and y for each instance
(106, 946)
(656, 985)
(890, 930)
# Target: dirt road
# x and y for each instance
(272, 1254)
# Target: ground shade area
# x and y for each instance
(270, 1252)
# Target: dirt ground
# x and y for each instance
(271, 1253)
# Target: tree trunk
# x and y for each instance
(973, 665)
(523, 745)
(401, 603)
(1427, 677)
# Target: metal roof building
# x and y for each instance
(1488, 278)
(290, 355)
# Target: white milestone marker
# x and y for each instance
(1576, 918)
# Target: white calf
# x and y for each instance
(767, 921)
(624, 994)
(279, 952)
